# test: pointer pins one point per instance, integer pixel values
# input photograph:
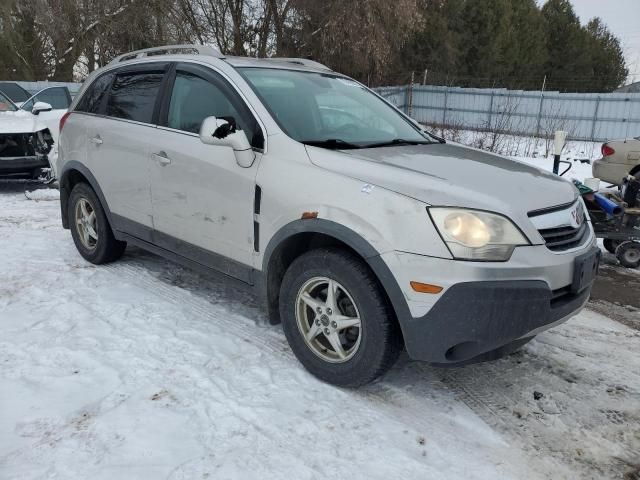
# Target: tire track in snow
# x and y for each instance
(407, 397)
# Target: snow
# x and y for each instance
(534, 151)
(144, 370)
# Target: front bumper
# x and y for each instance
(485, 307)
(473, 320)
(13, 165)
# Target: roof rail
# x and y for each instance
(169, 50)
(299, 61)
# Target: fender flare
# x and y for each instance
(65, 192)
(354, 241)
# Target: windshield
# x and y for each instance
(329, 110)
(6, 105)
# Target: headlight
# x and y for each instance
(476, 235)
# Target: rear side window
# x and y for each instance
(92, 98)
(133, 96)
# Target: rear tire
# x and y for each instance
(628, 254)
(90, 228)
(351, 339)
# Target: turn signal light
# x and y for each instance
(425, 287)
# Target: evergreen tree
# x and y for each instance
(568, 60)
(607, 60)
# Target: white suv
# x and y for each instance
(364, 234)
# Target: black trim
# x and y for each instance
(256, 236)
(162, 105)
(179, 250)
(257, 200)
(65, 191)
(120, 224)
(557, 208)
(177, 258)
(474, 319)
(351, 239)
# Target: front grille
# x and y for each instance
(560, 239)
(17, 145)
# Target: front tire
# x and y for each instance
(90, 228)
(337, 319)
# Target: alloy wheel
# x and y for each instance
(86, 223)
(328, 319)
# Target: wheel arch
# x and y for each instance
(73, 173)
(301, 236)
(635, 170)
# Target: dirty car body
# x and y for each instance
(467, 253)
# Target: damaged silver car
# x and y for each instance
(25, 141)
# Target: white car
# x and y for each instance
(363, 233)
(25, 138)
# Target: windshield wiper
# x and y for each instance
(399, 141)
(331, 143)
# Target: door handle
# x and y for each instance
(162, 158)
(96, 140)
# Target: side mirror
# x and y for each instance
(41, 107)
(223, 132)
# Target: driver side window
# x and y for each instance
(193, 99)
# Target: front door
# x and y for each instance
(202, 199)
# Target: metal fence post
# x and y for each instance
(539, 115)
(410, 107)
(407, 96)
(444, 110)
(595, 119)
(491, 108)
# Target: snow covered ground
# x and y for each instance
(145, 370)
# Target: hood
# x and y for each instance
(19, 122)
(452, 175)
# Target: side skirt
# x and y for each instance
(185, 254)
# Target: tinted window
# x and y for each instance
(133, 96)
(57, 97)
(193, 99)
(15, 92)
(92, 98)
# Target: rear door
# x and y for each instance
(201, 196)
(119, 142)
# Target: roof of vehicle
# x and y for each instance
(195, 51)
